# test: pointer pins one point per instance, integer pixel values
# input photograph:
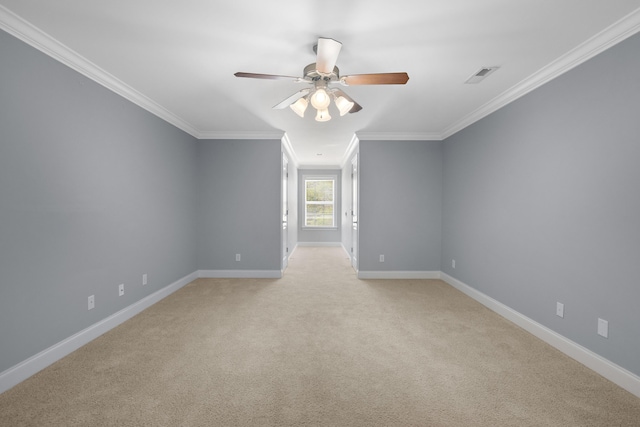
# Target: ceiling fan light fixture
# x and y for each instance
(300, 106)
(321, 75)
(344, 105)
(323, 115)
(320, 99)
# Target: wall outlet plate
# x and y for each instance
(237, 257)
(381, 258)
(560, 309)
(144, 279)
(121, 290)
(453, 263)
(603, 328)
(91, 302)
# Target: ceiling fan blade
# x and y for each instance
(293, 98)
(327, 55)
(265, 76)
(356, 107)
(376, 79)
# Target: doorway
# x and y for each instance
(354, 212)
(285, 211)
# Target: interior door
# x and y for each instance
(354, 212)
(285, 211)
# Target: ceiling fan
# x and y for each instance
(320, 76)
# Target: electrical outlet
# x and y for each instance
(603, 328)
(144, 279)
(453, 263)
(237, 257)
(381, 258)
(121, 290)
(559, 309)
(91, 302)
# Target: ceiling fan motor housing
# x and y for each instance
(311, 73)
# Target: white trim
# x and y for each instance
(320, 167)
(38, 362)
(618, 375)
(399, 136)
(351, 148)
(28, 33)
(293, 158)
(332, 176)
(615, 33)
(23, 370)
(240, 135)
(345, 250)
(319, 228)
(320, 244)
(350, 255)
(240, 274)
(398, 274)
(33, 36)
(293, 250)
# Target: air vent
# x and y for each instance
(480, 75)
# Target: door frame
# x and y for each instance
(355, 189)
(284, 213)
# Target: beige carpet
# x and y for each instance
(317, 348)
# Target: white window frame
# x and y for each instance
(332, 178)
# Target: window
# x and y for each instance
(319, 203)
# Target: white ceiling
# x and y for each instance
(177, 59)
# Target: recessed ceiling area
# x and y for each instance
(178, 59)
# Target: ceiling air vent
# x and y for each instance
(480, 75)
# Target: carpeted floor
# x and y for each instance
(317, 348)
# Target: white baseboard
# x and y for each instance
(38, 362)
(240, 274)
(350, 255)
(320, 244)
(293, 250)
(398, 274)
(614, 373)
(345, 250)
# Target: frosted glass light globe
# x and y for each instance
(320, 99)
(323, 115)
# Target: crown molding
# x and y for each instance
(241, 135)
(399, 136)
(324, 167)
(351, 149)
(610, 36)
(293, 158)
(33, 36)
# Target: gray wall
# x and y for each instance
(239, 191)
(537, 203)
(542, 204)
(400, 205)
(307, 235)
(94, 192)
